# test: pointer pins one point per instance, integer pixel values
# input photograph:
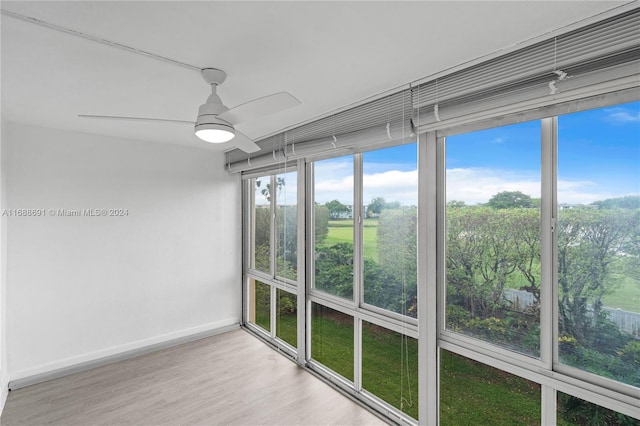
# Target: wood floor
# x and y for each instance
(228, 379)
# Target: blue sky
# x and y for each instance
(598, 158)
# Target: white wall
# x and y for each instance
(4, 378)
(81, 288)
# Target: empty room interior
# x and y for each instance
(310, 212)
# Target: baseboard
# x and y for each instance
(84, 362)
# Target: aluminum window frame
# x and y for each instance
(546, 371)
(428, 328)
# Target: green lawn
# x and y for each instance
(625, 297)
(469, 390)
(341, 231)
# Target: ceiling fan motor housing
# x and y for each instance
(208, 114)
(208, 121)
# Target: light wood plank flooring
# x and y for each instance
(228, 379)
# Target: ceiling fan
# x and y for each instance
(215, 122)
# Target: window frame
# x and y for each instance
(271, 279)
(429, 327)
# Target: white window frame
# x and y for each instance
(429, 327)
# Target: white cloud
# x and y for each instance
(475, 186)
(328, 189)
(334, 180)
(393, 185)
(622, 116)
(581, 192)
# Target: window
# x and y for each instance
(598, 256)
(272, 221)
(260, 304)
(287, 315)
(332, 339)
(538, 217)
(287, 226)
(390, 194)
(333, 226)
(472, 390)
(365, 263)
(493, 235)
(576, 411)
(261, 221)
(390, 367)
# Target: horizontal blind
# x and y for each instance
(384, 120)
(601, 58)
(569, 70)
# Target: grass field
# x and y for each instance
(468, 389)
(341, 231)
(625, 297)
(627, 294)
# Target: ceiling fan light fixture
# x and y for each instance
(212, 129)
(215, 132)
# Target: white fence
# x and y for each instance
(628, 322)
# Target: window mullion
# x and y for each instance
(429, 174)
(548, 286)
(549, 405)
(272, 259)
(358, 264)
(548, 131)
(301, 262)
(248, 240)
(272, 224)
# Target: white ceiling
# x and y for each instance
(327, 54)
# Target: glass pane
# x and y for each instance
(576, 411)
(598, 234)
(287, 226)
(390, 367)
(333, 226)
(390, 191)
(286, 321)
(260, 304)
(332, 339)
(493, 236)
(474, 393)
(261, 221)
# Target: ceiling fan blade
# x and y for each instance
(154, 120)
(243, 142)
(260, 107)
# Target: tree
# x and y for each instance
(280, 182)
(456, 204)
(336, 209)
(509, 200)
(262, 238)
(334, 269)
(628, 202)
(378, 204)
(396, 281)
(287, 242)
(321, 223)
(482, 254)
(590, 243)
